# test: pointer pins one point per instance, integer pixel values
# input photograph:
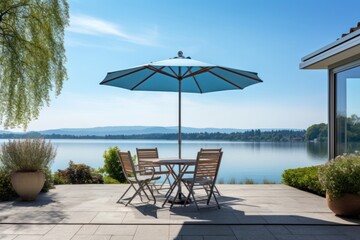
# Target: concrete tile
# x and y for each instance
(109, 217)
(150, 232)
(191, 237)
(295, 237)
(4, 227)
(220, 238)
(277, 229)
(200, 230)
(313, 230)
(281, 219)
(28, 229)
(28, 237)
(121, 230)
(62, 232)
(7, 237)
(351, 231)
(91, 237)
(252, 232)
(87, 230)
(78, 217)
(250, 219)
(333, 237)
(121, 238)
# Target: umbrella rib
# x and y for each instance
(111, 79)
(197, 84)
(159, 71)
(241, 74)
(173, 71)
(189, 70)
(202, 70)
(142, 81)
(217, 75)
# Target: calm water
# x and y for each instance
(241, 160)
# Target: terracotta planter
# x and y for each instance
(348, 205)
(28, 184)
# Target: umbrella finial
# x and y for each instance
(180, 54)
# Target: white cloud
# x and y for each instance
(84, 24)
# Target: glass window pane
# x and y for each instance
(347, 111)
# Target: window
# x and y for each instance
(347, 122)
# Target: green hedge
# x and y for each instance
(304, 179)
(6, 190)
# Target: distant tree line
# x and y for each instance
(251, 135)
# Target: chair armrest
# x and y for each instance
(146, 170)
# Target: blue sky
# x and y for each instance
(268, 37)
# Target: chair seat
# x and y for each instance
(197, 180)
(144, 178)
(156, 173)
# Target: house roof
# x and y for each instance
(353, 29)
(343, 50)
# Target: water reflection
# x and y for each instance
(317, 150)
(254, 160)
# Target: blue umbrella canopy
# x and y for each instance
(181, 74)
(195, 77)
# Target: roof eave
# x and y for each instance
(338, 51)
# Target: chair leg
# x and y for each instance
(131, 185)
(166, 178)
(188, 196)
(168, 194)
(141, 186)
(212, 194)
(151, 192)
(133, 196)
(217, 191)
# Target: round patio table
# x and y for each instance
(183, 164)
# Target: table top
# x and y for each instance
(178, 161)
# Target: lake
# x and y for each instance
(254, 160)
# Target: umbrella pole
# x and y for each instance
(179, 134)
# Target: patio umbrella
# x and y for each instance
(180, 74)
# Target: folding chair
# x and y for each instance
(205, 174)
(145, 155)
(212, 150)
(137, 181)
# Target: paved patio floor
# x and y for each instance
(248, 212)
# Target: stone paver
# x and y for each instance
(79, 212)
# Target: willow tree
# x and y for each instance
(32, 57)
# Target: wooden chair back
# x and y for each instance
(207, 164)
(127, 163)
(147, 153)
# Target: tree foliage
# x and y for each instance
(32, 57)
(317, 131)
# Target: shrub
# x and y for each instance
(27, 155)
(304, 179)
(77, 174)
(112, 166)
(249, 181)
(110, 180)
(341, 175)
(49, 180)
(6, 190)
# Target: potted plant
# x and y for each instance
(27, 160)
(341, 179)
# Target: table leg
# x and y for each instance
(179, 198)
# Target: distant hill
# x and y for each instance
(137, 130)
(133, 130)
